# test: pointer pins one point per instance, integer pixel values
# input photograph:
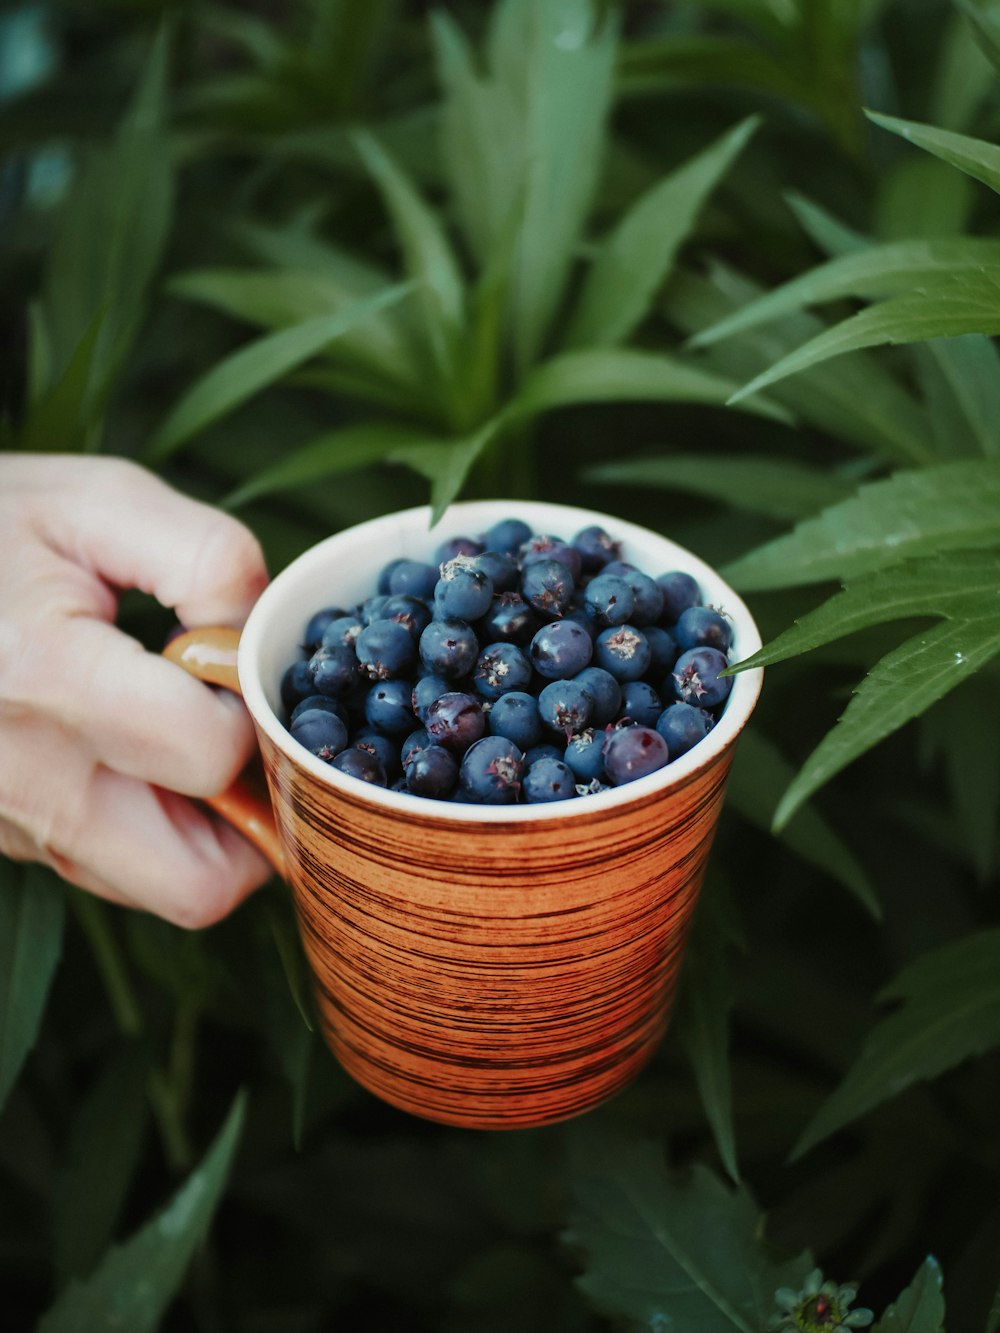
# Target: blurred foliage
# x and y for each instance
(729, 268)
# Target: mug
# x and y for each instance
(483, 966)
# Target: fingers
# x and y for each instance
(132, 530)
(143, 847)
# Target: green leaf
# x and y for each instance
(985, 20)
(920, 1307)
(912, 513)
(634, 261)
(962, 382)
(61, 418)
(702, 1024)
(975, 157)
(776, 487)
(447, 463)
(135, 1282)
(960, 587)
(623, 374)
(696, 60)
(113, 229)
(949, 1011)
(104, 1145)
(683, 1252)
(758, 775)
(900, 268)
(328, 455)
(32, 915)
(256, 366)
(427, 253)
(993, 1319)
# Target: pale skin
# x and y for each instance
(104, 747)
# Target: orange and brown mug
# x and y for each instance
(486, 966)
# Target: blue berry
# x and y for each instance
(633, 752)
(456, 721)
(508, 535)
(388, 706)
(609, 600)
(696, 677)
(515, 716)
(703, 627)
(548, 586)
(410, 612)
(560, 650)
(296, 685)
(682, 726)
(417, 740)
(316, 626)
(463, 590)
(411, 578)
(454, 546)
(501, 568)
(647, 595)
(500, 668)
(342, 632)
(622, 650)
(584, 756)
(431, 771)
(546, 750)
(566, 706)
(361, 764)
(320, 701)
(641, 703)
(323, 733)
(546, 547)
(491, 772)
(680, 591)
(371, 608)
(663, 651)
(334, 671)
(596, 548)
(384, 748)
(509, 619)
(548, 779)
(425, 690)
(449, 648)
(385, 650)
(607, 693)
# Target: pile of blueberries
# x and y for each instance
(515, 667)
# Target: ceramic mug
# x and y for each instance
(484, 966)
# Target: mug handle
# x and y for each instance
(210, 655)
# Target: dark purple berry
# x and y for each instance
(696, 677)
(548, 586)
(633, 752)
(431, 771)
(546, 547)
(596, 548)
(361, 764)
(456, 721)
(454, 546)
(425, 690)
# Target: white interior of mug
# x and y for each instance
(343, 570)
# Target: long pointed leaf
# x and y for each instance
(255, 367)
(949, 1011)
(975, 157)
(635, 259)
(32, 915)
(920, 1307)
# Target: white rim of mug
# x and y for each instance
(283, 599)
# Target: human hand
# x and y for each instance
(102, 743)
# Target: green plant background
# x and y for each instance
(730, 268)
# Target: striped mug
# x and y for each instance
(484, 966)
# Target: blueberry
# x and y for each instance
(508, 535)
(682, 726)
(371, 608)
(703, 627)
(641, 703)
(607, 694)
(463, 590)
(680, 591)
(647, 596)
(334, 671)
(323, 733)
(411, 578)
(385, 574)
(384, 748)
(449, 648)
(515, 716)
(548, 779)
(385, 650)
(501, 568)
(296, 685)
(411, 612)
(663, 651)
(500, 668)
(596, 548)
(456, 721)
(491, 772)
(548, 586)
(696, 677)
(431, 771)
(543, 546)
(342, 632)
(565, 706)
(388, 706)
(322, 702)
(584, 756)
(425, 690)
(313, 635)
(509, 619)
(609, 599)
(560, 650)
(417, 740)
(454, 546)
(624, 651)
(360, 764)
(547, 750)
(633, 752)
